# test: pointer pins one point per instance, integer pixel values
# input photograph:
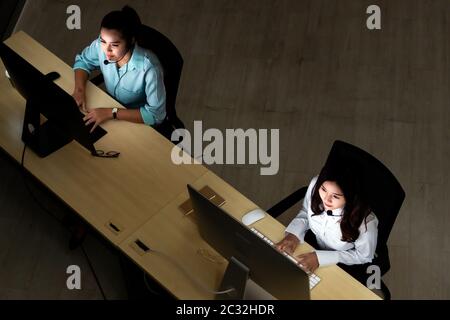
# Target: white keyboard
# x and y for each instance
(313, 278)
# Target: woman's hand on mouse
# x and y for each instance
(288, 244)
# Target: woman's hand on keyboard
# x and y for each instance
(79, 96)
(308, 261)
(97, 116)
(288, 244)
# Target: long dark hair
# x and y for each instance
(126, 21)
(356, 208)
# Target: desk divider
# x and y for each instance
(210, 194)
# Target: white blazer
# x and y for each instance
(328, 233)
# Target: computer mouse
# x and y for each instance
(253, 216)
(52, 76)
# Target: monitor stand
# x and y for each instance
(44, 138)
(235, 277)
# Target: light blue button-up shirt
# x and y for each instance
(137, 84)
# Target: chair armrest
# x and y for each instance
(382, 258)
(177, 123)
(287, 202)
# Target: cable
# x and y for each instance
(195, 281)
(148, 286)
(93, 272)
(31, 193)
(57, 219)
(120, 78)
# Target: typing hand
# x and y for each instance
(97, 116)
(308, 261)
(288, 244)
(80, 98)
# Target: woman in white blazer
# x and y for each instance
(344, 230)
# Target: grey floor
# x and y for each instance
(34, 251)
(308, 67)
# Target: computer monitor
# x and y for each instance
(64, 119)
(249, 256)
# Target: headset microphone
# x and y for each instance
(106, 62)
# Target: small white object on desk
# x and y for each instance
(253, 216)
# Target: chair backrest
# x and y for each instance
(384, 193)
(171, 61)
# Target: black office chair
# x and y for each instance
(382, 190)
(172, 63)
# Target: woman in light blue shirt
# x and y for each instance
(133, 75)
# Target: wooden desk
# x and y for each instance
(125, 191)
(140, 191)
(168, 231)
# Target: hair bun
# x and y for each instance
(126, 21)
(132, 19)
(132, 15)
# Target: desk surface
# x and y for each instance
(140, 191)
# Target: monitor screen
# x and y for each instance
(64, 119)
(266, 266)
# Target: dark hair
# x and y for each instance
(126, 21)
(356, 208)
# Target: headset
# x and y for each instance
(115, 88)
(129, 47)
